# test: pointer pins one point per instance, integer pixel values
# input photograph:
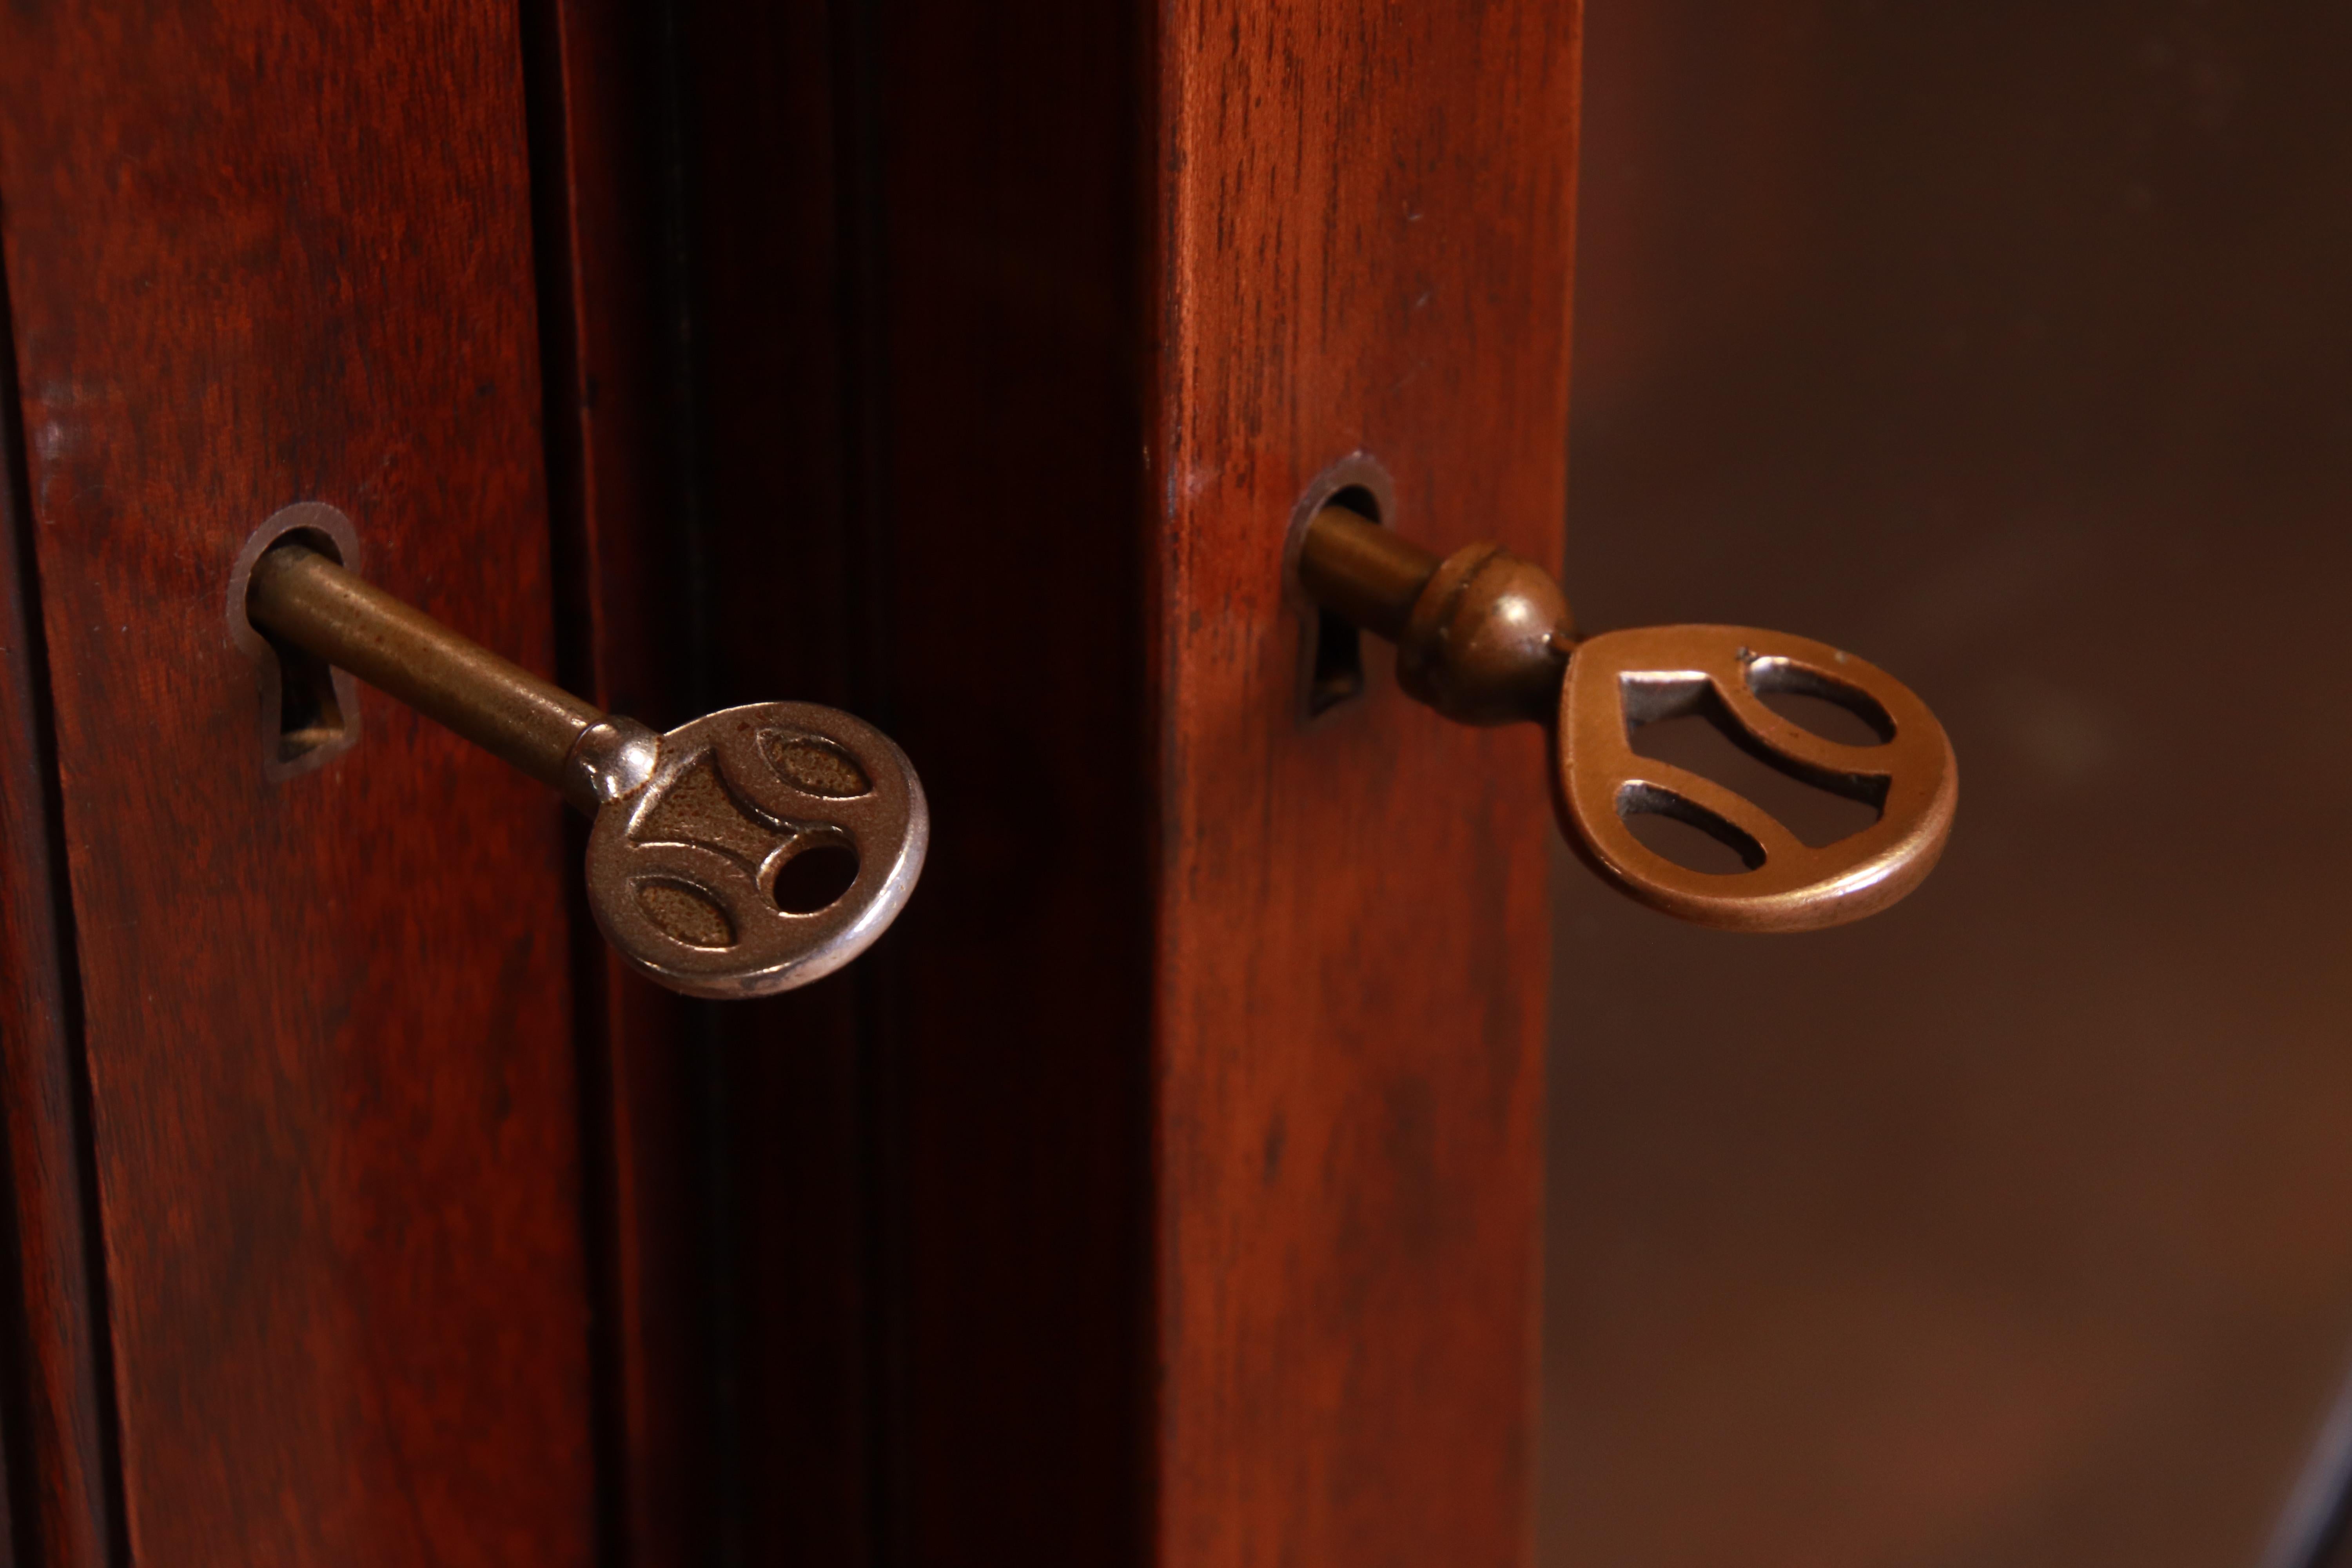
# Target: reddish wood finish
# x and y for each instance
(57, 1398)
(1340, 1350)
(258, 256)
(1163, 1190)
(1364, 240)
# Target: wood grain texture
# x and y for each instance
(259, 256)
(57, 1398)
(1107, 298)
(1364, 239)
(1132, 288)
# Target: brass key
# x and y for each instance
(1486, 637)
(703, 837)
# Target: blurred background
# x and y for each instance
(2010, 345)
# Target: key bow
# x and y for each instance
(1619, 681)
(683, 871)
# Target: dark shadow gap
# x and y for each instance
(1337, 674)
(1688, 727)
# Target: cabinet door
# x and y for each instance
(1165, 1188)
(1187, 1131)
(293, 1106)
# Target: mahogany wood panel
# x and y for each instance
(57, 1402)
(1363, 243)
(258, 256)
(1001, 296)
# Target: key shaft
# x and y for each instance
(299, 594)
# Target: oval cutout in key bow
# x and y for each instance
(1619, 680)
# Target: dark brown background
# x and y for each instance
(2010, 345)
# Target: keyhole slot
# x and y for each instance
(310, 709)
(1337, 674)
(1339, 664)
(310, 716)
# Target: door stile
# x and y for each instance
(255, 258)
(1365, 220)
(59, 1408)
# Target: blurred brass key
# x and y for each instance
(1486, 637)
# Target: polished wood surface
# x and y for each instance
(256, 258)
(58, 1453)
(1163, 1188)
(1363, 244)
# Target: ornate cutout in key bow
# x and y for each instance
(1619, 681)
(682, 870)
